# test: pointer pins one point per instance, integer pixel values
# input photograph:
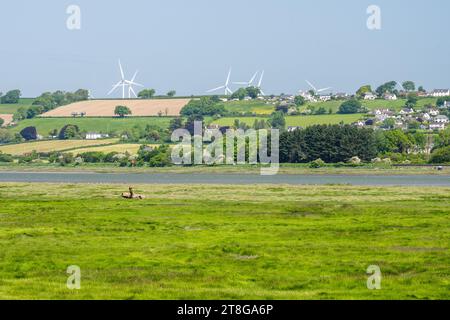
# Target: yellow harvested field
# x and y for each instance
(105, 108)
(8, 119)
(55, 145)
(131, 148)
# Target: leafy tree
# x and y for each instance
(299, 101)
(253, 92)
(412, 100)
(171, 93)
(283, 107)
(441, 156)
(363, 90)
(394, 141)
(11, 97)
(441, 101)
(190, 122)
(389, 123)
(239, 94)
(69, 131)
(277, 120)
(422, 89)
(387, 87)
(409, 86)
(6, 136)
(147, 93)
(350, 106)
(122, 111)
(29, 133)
(175, 124)
(205, 106)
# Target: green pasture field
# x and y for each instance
(12, 108)
(256, 106)
(104, 125)
(302, 121)
(396, 105)
(223, 242)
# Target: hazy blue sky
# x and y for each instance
(189, 45)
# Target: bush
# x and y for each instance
(66, 158)
(350, 106)
(6, 157)
(93, 157)
(319, 163)
(69, 131)
(441, 156)
(29, 133)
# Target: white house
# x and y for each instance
(390, 96)
(437, 126)
(440, 93)
(370, 96)
(441, 119)
(95, 136)
(325, 97)
(434, 112)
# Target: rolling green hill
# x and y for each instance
(12, 108)
(301, 121)
(104, 125)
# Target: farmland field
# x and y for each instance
(223, 242)
(7, 119)
(104, 125)
(302, 121)
(257, 107)
(12, 108)
(131, 148)
(105, 108)
(54, 145)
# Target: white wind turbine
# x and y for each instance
(260, 83)
(225, 86)
(249, 83)
(124, 83)
(317, 91)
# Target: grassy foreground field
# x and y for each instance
(223, 242)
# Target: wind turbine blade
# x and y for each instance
(134, 77)
(228, 78)
(114, 88)
(229, 91)
(310, 84)
(218, 88)
(121, 70)
(241, 83)
(132, 90)
(253, 78)
(324, 89)
(260, 80)
(262, 92)
(133, 83)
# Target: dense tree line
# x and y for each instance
(11, 97)
(205, 106)
(49, 101)
(331, 143)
